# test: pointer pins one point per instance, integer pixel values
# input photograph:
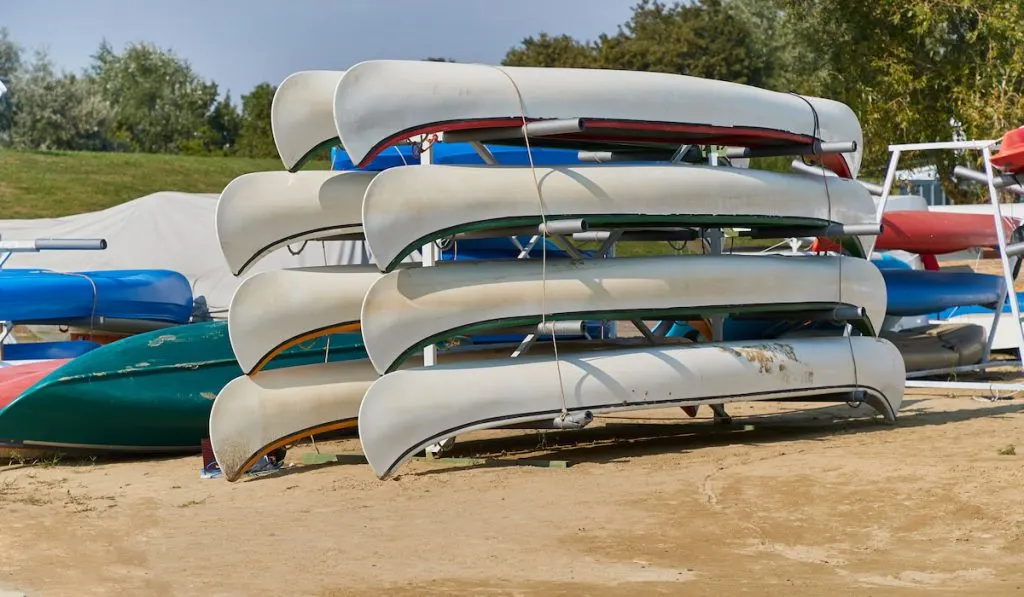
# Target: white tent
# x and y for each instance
(166, 230)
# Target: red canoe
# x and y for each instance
(17, 378)
(934, 232)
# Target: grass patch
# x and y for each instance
(1009, 450)
(44, 184)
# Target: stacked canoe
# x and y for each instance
(398, 309)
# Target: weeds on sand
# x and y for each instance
(192, 503)
(1009, 450)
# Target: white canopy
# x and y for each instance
(166, 230)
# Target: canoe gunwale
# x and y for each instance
(314, 334)
(835, 162)
(314, 234)
(632, 221)
(865, 326)
(880, 397)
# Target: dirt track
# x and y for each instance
(801, 503)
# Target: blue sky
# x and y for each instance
(239, 43)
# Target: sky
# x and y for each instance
(240, 43)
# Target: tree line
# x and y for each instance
(144, 99)
(912, 71)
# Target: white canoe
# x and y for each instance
(255, 415)
(275, 310)
(302, 115)
(407, 410)
(407, 207)
(380, 102)
(261, 212)
(407, 309)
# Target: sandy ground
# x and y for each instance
(794, 500)
(790, 500)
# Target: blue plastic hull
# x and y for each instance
(41, 296)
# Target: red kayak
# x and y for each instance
(933, 232)
(17, 378)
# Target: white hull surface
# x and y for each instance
(253, 416)
(275, 310)
(302, 115)
(407, 309)
(407, 410)
(380, 102)
(261, 212)
(407, 207)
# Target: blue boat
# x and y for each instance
(456, 153)
(48, 297)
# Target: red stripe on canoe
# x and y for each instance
(678, 133)
(17, 378)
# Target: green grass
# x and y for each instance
(51, 184)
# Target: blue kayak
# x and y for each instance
(458, 154)
(918, 292)
(46, 297)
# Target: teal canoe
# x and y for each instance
(146, 393)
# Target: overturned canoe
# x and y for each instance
(261, 212)
(276, 310)
(942, 346)
(255, 415)
(407, 410)
(302, 115)
(408, 309)
(381, 102)
(406, 207)
(937, 233)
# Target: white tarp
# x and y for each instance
(167, 230)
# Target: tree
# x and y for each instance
(702, 39)
(919, 70)
(548, 51)
(10, 64)
(256, 138)
(219, 134)
(161, 103)
(56, 112)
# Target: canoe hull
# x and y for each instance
(274, 310)
(407, 410)
(302, 115)
(408, 309)
(261, 212)
(151, 392)
(407, 207)
(380, 102)
(254, 415)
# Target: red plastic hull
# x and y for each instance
(933, 232)
(17, 378)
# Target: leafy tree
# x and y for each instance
(161, 103)
(703, 39)
(57, 112)
(256, 138)
(10, 64)
(919, 70)
(219, 134)
(558, 51)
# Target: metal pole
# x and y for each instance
(429, 257)
(1004, 259)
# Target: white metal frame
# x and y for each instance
(985, 147)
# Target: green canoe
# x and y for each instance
(147, 393)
